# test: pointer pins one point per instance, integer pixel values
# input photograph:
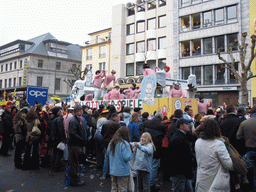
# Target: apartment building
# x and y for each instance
(141, 33)
(96, 53)
(201, 28)
(42, 61)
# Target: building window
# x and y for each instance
(39, 82)
(139, 68)
(220, 73)
(162, 21)
(152, 64)
(21, 64)
(151, 45)
(130, 49)
(131, 11)
(197, 72)
(20, 80)
(161, 63)
(196, 1)
(15, 65)
(2, 68)
(219, 16)
(129, 69)
(141, 7)
(57, 84)
(130, 29)
(185, 23)
(73, 69)
(140, 26)
(207, 19)
(1, 84)
(102, 51)
(89, 66)
(102, 66)
(207, 45)
(184, 3)
(151, 23)
(5, 83)
(185, 48)
(58, 65)
(208, 75)
(89, 54)
(14, 81)
(231, 39)
(97, 39)
(10, 82)
(220, 43)
(10, 66)
(40, 63)
(161, 42)
(151, 5)
(196, 44)
(231, 76)
(231, 14)
(162, 3)
(6, 67)
(185, 72)
(196, 21)
(140, 47)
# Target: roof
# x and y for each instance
(14, 43)
(99, 31)
(37, 46)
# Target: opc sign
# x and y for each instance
(37, 95)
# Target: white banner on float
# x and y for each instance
(132, 103)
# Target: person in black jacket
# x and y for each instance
(76, 140)
(86, 115)
(7, 118)
(181, 162)
(57, 136)
(157, 131)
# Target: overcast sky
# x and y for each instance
(67, 20)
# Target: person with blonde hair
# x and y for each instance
(134, 127)
(143, 160)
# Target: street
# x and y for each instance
(45, 180)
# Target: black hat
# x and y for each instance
(137, 109)
(98, 71)
(180, 121)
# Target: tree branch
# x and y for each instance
(253, 54)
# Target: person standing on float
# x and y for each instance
(97, 83)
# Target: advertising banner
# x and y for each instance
(37, 95)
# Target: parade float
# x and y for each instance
(154, 94)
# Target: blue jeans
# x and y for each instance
(251, 156)
(153, 173)
(105, 165)
(181, 184)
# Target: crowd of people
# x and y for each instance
(195, 152)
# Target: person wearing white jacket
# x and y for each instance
(213, 160)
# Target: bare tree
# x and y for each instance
(78, 73)
(246, 73)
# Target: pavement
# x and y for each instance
(43, 180)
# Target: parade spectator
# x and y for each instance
(147, 70)
(143, 160)
(181, 166)
(209, 115)
(178, 113)
(198, 117)
(114, 94)
(247, 131)
(19, 135)
(119, 153)
(213, 160)
(229, 127)
(86, 115)
(202, 106)
(101, 107)
(39, 108)
(67, 118)
(7, 120)
(177, 91)
(76, 140)
(144, 116)
(241, 113)
(157, 131)
(57, 136)
(134, 127)
(121, 117)
(127, 115)
(188, 114)
(109, 78)
(31, 161)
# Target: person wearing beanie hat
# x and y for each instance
(147, 70)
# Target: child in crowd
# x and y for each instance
(143, 160)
